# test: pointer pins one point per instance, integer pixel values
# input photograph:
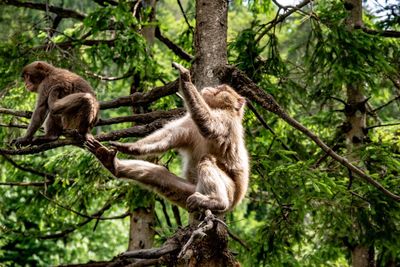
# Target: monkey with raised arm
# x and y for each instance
(65, 100)
(210, 139)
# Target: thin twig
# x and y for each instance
(85, 215)
(383, 125)
(184, 15)
(386, 104)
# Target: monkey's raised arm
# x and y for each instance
(197, 106)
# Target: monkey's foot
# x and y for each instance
(185, 73)
(198, 201)
(103, 154)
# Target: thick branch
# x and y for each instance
(139, 98)
(62, 12)
(106, 2)
(175, 48)
(145, 117)
(136, 131)
(392, 34)
(24, 114)
(151, 253)
(248, 88)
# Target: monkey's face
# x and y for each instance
(223, 97)
(34, 73)
(29, 85)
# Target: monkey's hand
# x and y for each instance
(22, 141)
(185, 73)
(131, 149)
(105, 156)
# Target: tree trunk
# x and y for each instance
(356, 117)
(211, 52)
(210, 41)
(141, 228)
(362, 256)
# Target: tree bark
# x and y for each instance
(210, 41)
(142, 228)
(356, 117)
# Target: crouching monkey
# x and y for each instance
(65, 100)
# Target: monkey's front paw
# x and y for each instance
(196, 201)
(21, 141)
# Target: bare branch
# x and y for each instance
(386, 104)
(30, 170)
(135, 131)
(26, 183)
(383, 125)
(62, 12)
(13, 125)
(280, 19)
(176, 49)
(105, 2)
(139, 98)
(106, 207)
(69, 44)
(184, 15)
(145, 117)
(151, 253)
(24, 114)
(391, 34)
(110, 79)
(85, 215)
(245, 86)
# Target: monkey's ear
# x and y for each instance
(40, 66)
(240, 103)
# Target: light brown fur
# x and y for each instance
(65, 100)
(210, 139)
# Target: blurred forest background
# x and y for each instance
(334, 71)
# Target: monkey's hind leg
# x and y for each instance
(158, 178)
(215, 189)
(79, 111)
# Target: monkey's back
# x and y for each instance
(69, 82)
